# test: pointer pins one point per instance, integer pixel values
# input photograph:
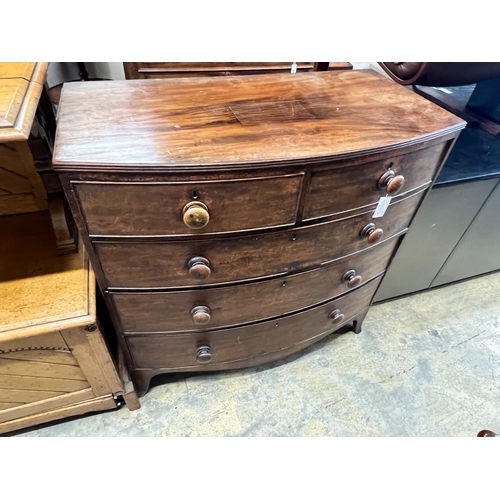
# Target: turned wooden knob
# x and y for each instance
(203, 354)
(200, 315)
(486, 433)
(351, 278)
(391, 182)
(195, 215)
(336, 317)
(199, 268)
(372, 233)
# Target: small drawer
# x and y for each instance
(213, 350)
(210, 308)
(187, 208)
(344, 189)
(229, 260)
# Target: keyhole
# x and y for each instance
(284, 283)
(194, 194)
(294, 237)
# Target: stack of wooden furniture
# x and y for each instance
(54, 361)
(146, 70)
(232, 221)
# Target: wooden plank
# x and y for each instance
(12, 93)
(26, 396)
(38, 287)
(130, 396)
(53, 357)
(98, 404)
(19, 98)
(84, 354)
(36, 369)
(17, 69)
(42, 383)
(46, 405)
(51, 340)
(378, 114)
(101, 353)
(6, 406)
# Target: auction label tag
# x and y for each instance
(382, 205)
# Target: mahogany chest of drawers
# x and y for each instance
(233, 221)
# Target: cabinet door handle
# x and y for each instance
(352, 279)
(336, 316)
(201, 315)
(391, 182)
(199, 268)
(204, 354)
(195, 215)
(372, 233)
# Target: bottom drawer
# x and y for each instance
(182, 351)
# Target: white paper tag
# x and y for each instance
(294, 67)
(382, 205)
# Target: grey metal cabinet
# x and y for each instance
(426, 255)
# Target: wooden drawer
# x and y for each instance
(163, 265)
(157, 208)
(178, 351)
(344, 189)
(233, 305)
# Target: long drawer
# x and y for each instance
(341, 190)
(229, 260)
(159, 208)
(225, 306)
(181, 352)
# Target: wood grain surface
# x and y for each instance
(149, 265)
(240, 120)
(178, 351)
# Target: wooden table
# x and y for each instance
(27, 128)
(54, 362)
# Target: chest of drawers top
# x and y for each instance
(209, 124)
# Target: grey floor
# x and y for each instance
(425, 365)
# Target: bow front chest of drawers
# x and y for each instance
(232, 221)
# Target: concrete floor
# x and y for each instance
(425, 365)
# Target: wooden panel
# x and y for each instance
(97, 404)
(41, 383)
(157, 208)
(86, 357)
(36, 369)
(149, 265)
(21, 188)
(178, 351)
(26, 396)
(125, 124)
(48, 342)
(36, 285)
(16, 69)
(6, 406)
(46, 405)
(197, 69)
(171, 311)
(341, 190)
(12, 93)
(43, 356)
(19, 98)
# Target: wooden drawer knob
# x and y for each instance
(195, 215)
(391, 182)
(372, 233)
(352, 279)
(336, 317)
(200, 315)
(203, 354)
(199, 268)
